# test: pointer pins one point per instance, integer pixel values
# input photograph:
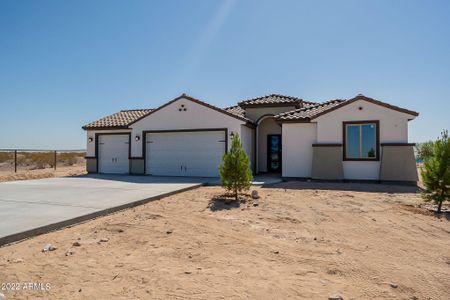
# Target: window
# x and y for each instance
(361, 140)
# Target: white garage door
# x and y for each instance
(196, 153)
(113, 154)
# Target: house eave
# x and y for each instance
(105, 128)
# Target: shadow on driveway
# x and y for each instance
(145, 179)
(345, 186)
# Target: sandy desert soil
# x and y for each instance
(8, 175)
(303, 241)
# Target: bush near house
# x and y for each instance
(424, 150)
(436, 172)
(235, 173)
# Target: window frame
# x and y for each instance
(377, 139)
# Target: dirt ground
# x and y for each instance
(303, 241)
(9, 175)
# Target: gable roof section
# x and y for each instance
(272, 100)
(308, 113)
(125, 118)
(119, 120)
(373, 101)
(184, 96)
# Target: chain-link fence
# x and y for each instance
(16, 160)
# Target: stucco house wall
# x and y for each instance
(170, 117)
(297, 148)
(267, 126)
(90, 146)
(248, 141)
(393, 129)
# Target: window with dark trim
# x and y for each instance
(361, 140)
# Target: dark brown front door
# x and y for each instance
(274, 153)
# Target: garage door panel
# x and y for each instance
(185, 153)
(113, 151)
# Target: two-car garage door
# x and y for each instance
(182, 153)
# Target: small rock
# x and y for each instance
(335, 297)
(76, 244)
(255, 194)
(276, 252)
(79, 291)
(315, 239)
(373, 219)
(187, 272)
(255, 203)
(79, 239)
(48, 247)
(69, 253)
(393, 285)
(169, 231)
(104, 240)
(120, 230)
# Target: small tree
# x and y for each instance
(424, 150)
(235, 173)
(436, 172)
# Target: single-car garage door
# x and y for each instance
(113, 152)
(196, 153)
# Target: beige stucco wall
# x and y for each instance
(196, 116)
(393, 129)
(327, 163)
(248, 140)
(90, 146)
(297, 147)
(398, 163)
(267, 126)
(255, 113)
(137, 166)
(91, 165)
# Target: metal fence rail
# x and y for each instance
(40, 158)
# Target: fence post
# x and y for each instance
(55, 160)
(15, 161)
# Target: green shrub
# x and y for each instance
(235, 173)
(436, 172)
(424, 150)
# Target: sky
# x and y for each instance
(66, 63)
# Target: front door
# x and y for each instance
(274, 153)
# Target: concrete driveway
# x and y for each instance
(33, 207)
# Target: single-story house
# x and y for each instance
(355, 139)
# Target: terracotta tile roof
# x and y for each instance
(118, 120)
(308, 111)
(236, 110)
(312, 111)
(271, 100)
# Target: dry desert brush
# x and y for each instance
(235, 173)
(436, 172)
